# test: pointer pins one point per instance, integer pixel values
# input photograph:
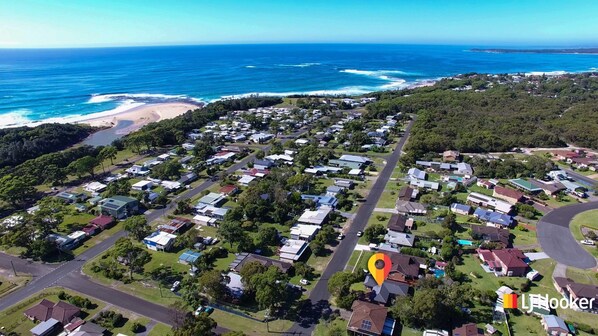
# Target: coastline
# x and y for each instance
(140, 116)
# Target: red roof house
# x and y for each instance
(507, 262)
(103, 221)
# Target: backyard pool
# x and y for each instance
(464, 242)
(439, 273)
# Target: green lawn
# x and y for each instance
(9, 284)
(76, 219)
(160, 330)
(249, 326)
(524, 237)
(324, 328)
(582, 276)
(93, 241)
(587, 219)
(13, 320)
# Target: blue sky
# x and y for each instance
(83, 23)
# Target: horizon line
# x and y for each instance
(193, 44)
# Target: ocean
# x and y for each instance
(68, 84)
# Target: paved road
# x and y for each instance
(590, 182)
(319, 295)
(556, 238)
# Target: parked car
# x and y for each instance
(209, 310)
(359, 233)
(588, 242)
(198, 310)
(304, 282)
(340, 236)
(175, 286)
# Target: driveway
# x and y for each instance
(558, 242)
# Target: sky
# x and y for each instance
(90, 23)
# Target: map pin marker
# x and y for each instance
(379, 266)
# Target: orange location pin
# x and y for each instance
(379, 266)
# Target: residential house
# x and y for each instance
(119, 207)
(262, 164)
(344, 183)
(396, 239)
(493, 218)
(302, 142)
(410, 208)
(304, 231)
(450, 156)
(202, 220)
(510, 195)
(405, 268)
(407, 194)
(589, 292)
(505, 262)
(189, 257)
(316, 217)
(469, 329)
(435, 332)
(369, 319)
(554, 325)
(415, 173)
(293, 250)
(103, 222)
(461, 209)
(46, 328)
(485, 184)
(71, 198)
(525, 185)
(333, 191)
(159, 241)
(211, 199)
(246, 180)
(491, 234)
(89, 329)
(187, 178)
(95, 187)
(138, 170)
(464, 169)
(397, 223)
(245, 258)
(171, 185)
(61, 311)
(321, 201)
(550, 189)
(489, 202)
(176, 225)
(234, 284)
(261, 137)
(422, 184)
(386, 292)
(560, 284)
(229, 190)
(143, 185)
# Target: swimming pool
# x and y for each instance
(439, 273)
(464, 242)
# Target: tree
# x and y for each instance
(198, 325)
(49, 215)
(304, 270)
(108, 152)
(137, 226)
(183, 207)
(318, 247)
(260, 154)
(248, 271)
(187, 239)
(170, 170)
(270, 288)
(134, 256)
(211, 283)
(39, 249)
(450, 248)
(340, 283)
(84, 165)
(450, 221)
(119, 187)
(230, 231)
(267, 236)
(235, 333)
(372, 232)
(54, 175)
(15, 189)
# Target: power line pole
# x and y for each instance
(13, 268)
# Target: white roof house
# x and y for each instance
(212, 198)
(204, 220)
(142, 185)
(245, 180)
(95, 187)
(399, 238)
(354, 158)
(491, 202)
(302, 142)
(317, 217)
(304, 231)
(355, 172)
(159, 241)
(292, 250)
(170, 185)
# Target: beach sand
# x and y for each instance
(141, 116)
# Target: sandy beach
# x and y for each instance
(141, 116)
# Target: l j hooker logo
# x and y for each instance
(529, 302)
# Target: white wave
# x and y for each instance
(14, 118)
(547, 73)
(376, 73)
(300, 65)
(141, 97)
(250, 66)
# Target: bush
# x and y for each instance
(62, 295)
(137, 327)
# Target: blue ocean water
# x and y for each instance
(42, 84)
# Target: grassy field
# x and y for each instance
(160, 330)
(13, 320)
(582, 276)
(588, 219)
(323, 329)
(11, 283)
(93, 241)
(248, 326)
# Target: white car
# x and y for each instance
(588, 242)
(175, 286)
(359, 233)
(340, 236)
(304, 282)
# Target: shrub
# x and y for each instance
(137, 327)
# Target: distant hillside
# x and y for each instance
(495, 113)
(18, 145)
(539, 51)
